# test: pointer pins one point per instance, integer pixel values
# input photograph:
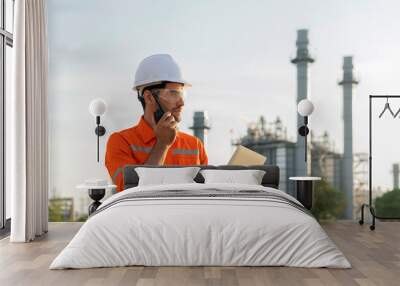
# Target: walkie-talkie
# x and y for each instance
(159, 112)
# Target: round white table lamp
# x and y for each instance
(305, 107)
(97, 107)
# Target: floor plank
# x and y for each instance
(374, 255)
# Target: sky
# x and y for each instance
(237, 56)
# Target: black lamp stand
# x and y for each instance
(303, 131)
(100, 131)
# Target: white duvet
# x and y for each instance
(200, 231)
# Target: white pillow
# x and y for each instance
(164, 176)
(249, 177)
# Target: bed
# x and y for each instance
(201, 224)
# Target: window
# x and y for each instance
(6, 43)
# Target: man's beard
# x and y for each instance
(177, 118)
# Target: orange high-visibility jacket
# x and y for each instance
(133, 146)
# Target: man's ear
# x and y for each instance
(149, 99)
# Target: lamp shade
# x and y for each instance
(97, 107)
(305, 107)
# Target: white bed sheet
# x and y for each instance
(200, 231)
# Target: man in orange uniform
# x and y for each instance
(155, 140)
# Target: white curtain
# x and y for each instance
(28, 120)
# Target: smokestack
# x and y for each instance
(301, 61)
(348, 82)
(395, 176)
(200, 126)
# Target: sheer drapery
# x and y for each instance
(28, 123)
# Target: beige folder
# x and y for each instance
(246, 157)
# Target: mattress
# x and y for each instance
(201, 225)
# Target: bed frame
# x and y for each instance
(270, 179)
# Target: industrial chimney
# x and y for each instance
(200, 126)
(348, 82)
(301, 61)
(395, 176)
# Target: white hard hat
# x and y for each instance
(157, 68)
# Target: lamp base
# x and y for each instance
(100, 130)
(303, 130)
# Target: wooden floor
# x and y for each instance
(375, 257)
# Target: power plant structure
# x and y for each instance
(338, 169)
(348, 82)
(396, 173)
(201, 126)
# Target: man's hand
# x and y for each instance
(165, 130)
